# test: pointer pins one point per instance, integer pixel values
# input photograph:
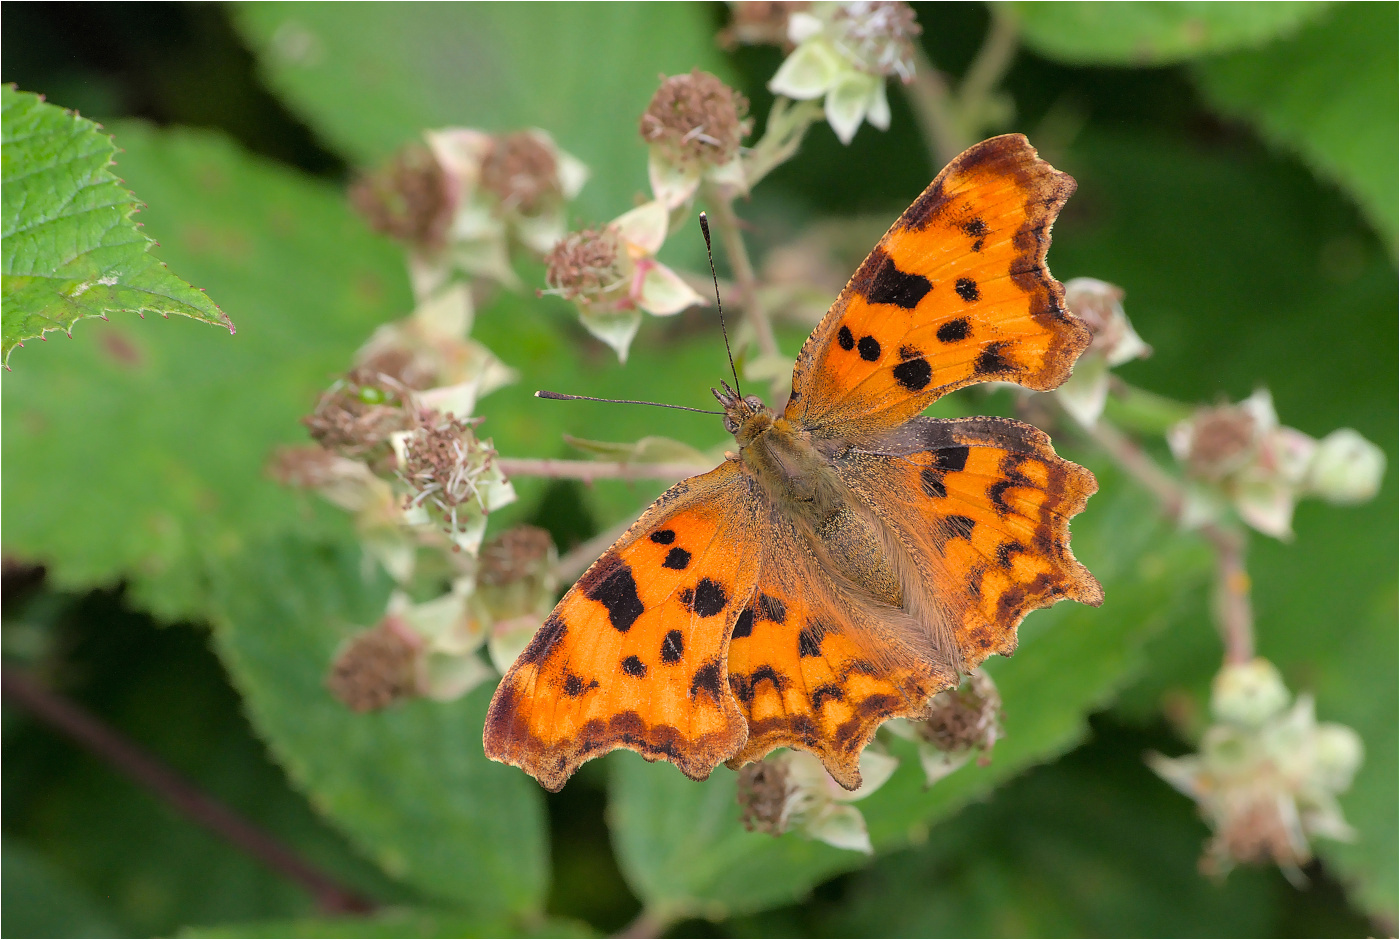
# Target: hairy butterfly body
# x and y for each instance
(851, 559)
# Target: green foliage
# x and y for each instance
(373, 81)
(70, 247)
(401, 922)
(684, 852)
(410, 784)
(1153, 33)
(182, 421)
(41, 901)
(1329, 94)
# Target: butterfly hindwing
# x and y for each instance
(957, 292)
(818, 666)
(634, 654)
(983, 505)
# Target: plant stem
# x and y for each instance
(187, 799)
(782, 136)
(989, 67)
(590, 470)
(1234, 615)
(933, 110)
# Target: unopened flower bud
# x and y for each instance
(1248, 694)
(696, 118)
(408, 199)
(376, 668)
(1346, 468)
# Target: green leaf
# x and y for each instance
(410, 784)
(684, 852)
(139, 455)
(1153, 33)
(40, 901)
(402, 923)
(582, 71)
(1329, 95)
(70, 248)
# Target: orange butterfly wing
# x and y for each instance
(956, 292)
(983, 505)
(634, 654)
(816, 664)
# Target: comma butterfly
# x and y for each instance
(852, 558)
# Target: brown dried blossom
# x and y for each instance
(764, 793)
(760, 22)
(514, 555)
(587, 264)
(376, 668)
(696, 118)
(356, 416)
(522, 172)
(409, 198)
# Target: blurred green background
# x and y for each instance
(1237, 176)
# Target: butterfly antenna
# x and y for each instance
(560, 396)
(705, 229)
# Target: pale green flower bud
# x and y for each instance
(1248, 694)
(1346, 468)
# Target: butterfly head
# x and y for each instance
(745, 416)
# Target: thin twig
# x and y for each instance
(990, 65)
(933, 110)
(134, 762)
(589, 470)
(576, 561)
(782, 136)
(1233, 612)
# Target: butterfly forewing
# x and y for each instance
(957, 292)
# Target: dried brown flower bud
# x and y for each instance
(376, 668)
(760, 22)
(514, 555)
(408, 199)
(696, 118)
(305, 467)
(522, 172)
(964, 718)
(356, 415)
(1223, 440)
(585, 265)
(764, 790)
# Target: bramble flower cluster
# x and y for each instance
(693, 129)
(960, 723)
(1240, 456)
(791, 791)
(844, 52)
(612, 275)
(1267, 775)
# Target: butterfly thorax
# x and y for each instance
(802, 484)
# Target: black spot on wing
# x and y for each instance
(708, 598)
(634, 667)
(574, 686)
(708, 679)
(770, 608)
(950, 458)
(997, 494)
(677, 559)
(954, 331)
(869, 348)
(992, 362)
(663, 536)
(617, 591)
(967, 289)
(744, 625)
(914, 375)
(846, 340)
(672, 648)
(893, 286)
(974, 228)
(959, 527)
(1005, 552)
(931, 482)
(823, 692)
(809, 641)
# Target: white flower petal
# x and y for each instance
(808, 72)
(847, 103)
(1260, 406)
(617, 329)
(875, 769)
(573, 173)
(1130, 345)
(486, 258)
(664, 292)
(509, 639)
(459, 399)
(878, 108)
(938, 764)
(840, 825)
(447, 314)
(1267, 507)
(644, 228)
(730, 177)
(1085, 392)
(672, 185)
(802, 27)
(540, 233)
(447, 678)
